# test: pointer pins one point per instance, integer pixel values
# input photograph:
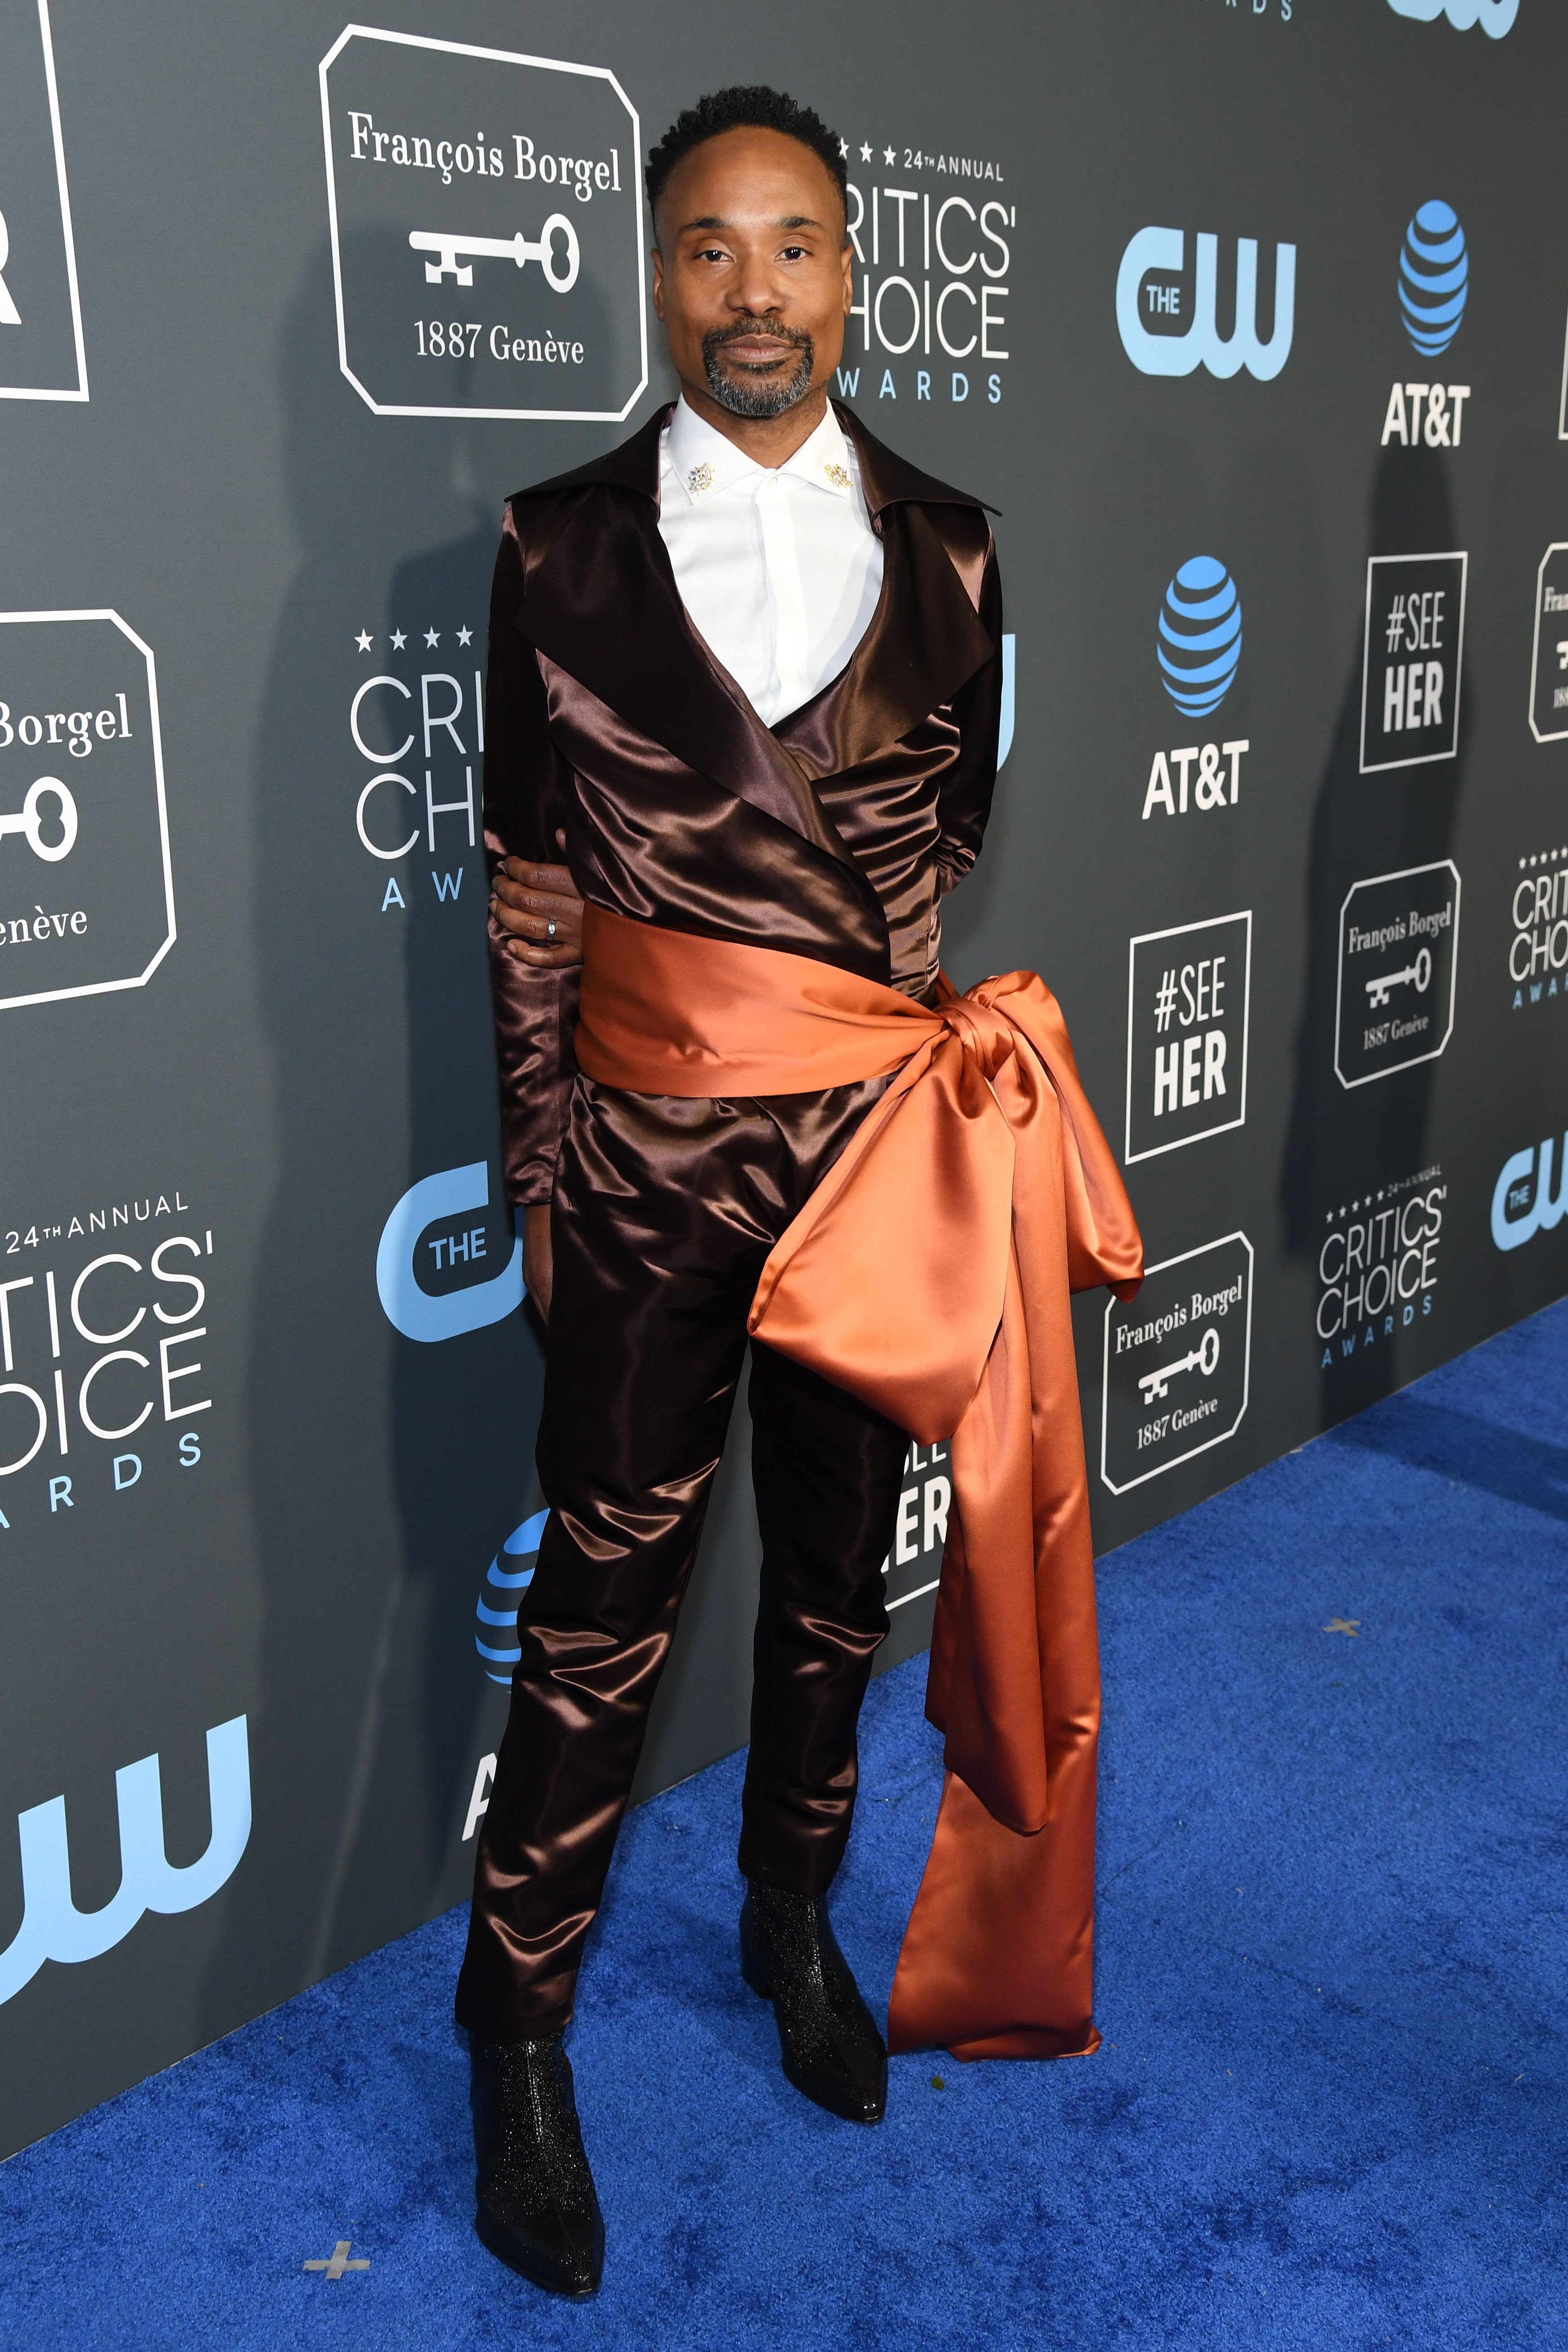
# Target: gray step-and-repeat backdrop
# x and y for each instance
(1249, 314)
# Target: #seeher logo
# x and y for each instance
(507, 1578)
(1434, 277)
(1200, 635)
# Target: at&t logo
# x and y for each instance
(1198, 648)
(507, 1579)
(1149, 292)
(1434, 282)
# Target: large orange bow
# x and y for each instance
(929, 1274)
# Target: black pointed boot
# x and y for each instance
(828, 2038)
(538, 2210)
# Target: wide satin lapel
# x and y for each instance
(600, 602)
(926, 638)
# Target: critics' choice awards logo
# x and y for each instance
(1377, 1267)
(1177, 1363)
(102, 1346)
(53, 1928)
(1495, 18)
(1538, 950)
(1399, 941)
(1198, 649)
(1549, 655)
(933, 279)
(1434, 281)
(1187, 999)
(418, 729)
(487, 230)
(1154, 301)
(41, 351)
(1411, 654)
(87, 895)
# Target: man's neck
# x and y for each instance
(768, 441)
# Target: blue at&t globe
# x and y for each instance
(1434, 277)
(1200, 635)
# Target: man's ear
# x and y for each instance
(658, 283)
(849, 276)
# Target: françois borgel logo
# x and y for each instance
(1177, 1363)
(487, 230)
(1413, 648)
(1548, 658)
(1198, 648)
(87, 900)
(1495, 18)
(1399, 941)
(1170, 326)
(41, 351)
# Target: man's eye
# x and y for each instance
(792, 253)
(712, 253)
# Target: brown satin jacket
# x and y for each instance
(832, 834)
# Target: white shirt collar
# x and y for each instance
(705, 462)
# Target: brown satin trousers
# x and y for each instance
(664, 1213)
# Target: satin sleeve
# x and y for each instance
(964, 803)
(527, 796)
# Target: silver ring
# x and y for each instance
(550, 930)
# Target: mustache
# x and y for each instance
(770, 325)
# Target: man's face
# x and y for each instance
(751, 275)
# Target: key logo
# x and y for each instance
(1411, 653)
(1399, 941)
(1549, 655)
(1495, 18)
(1177, 1363)
(1152, 299)
(42, 356)
(1200, 636)
(86, 894)
(486, 222)
(1187, 999)
(1434, 277)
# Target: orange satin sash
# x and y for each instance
(929, 1274)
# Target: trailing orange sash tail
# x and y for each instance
(929, 1274)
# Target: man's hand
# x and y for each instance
(538, 1263)
(540, 907)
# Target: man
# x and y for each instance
(745, 670)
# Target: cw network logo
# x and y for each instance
(1148, 292)
(53, 1928)
(442, 1200)
(1495, 18)
(1523, 1203)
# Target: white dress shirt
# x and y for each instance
(779, 571)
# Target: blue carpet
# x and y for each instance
(1330, 2113)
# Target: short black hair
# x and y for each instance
(752, 107)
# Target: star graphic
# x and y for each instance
(844, 149)
(432, 637)
(399, 639)
(1343, 1625)
(865, 153)
(464, 637)
(364, 643)
(887, 155)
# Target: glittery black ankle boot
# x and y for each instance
(538, 2210)
(831, 2048)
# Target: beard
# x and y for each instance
(752, 391)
